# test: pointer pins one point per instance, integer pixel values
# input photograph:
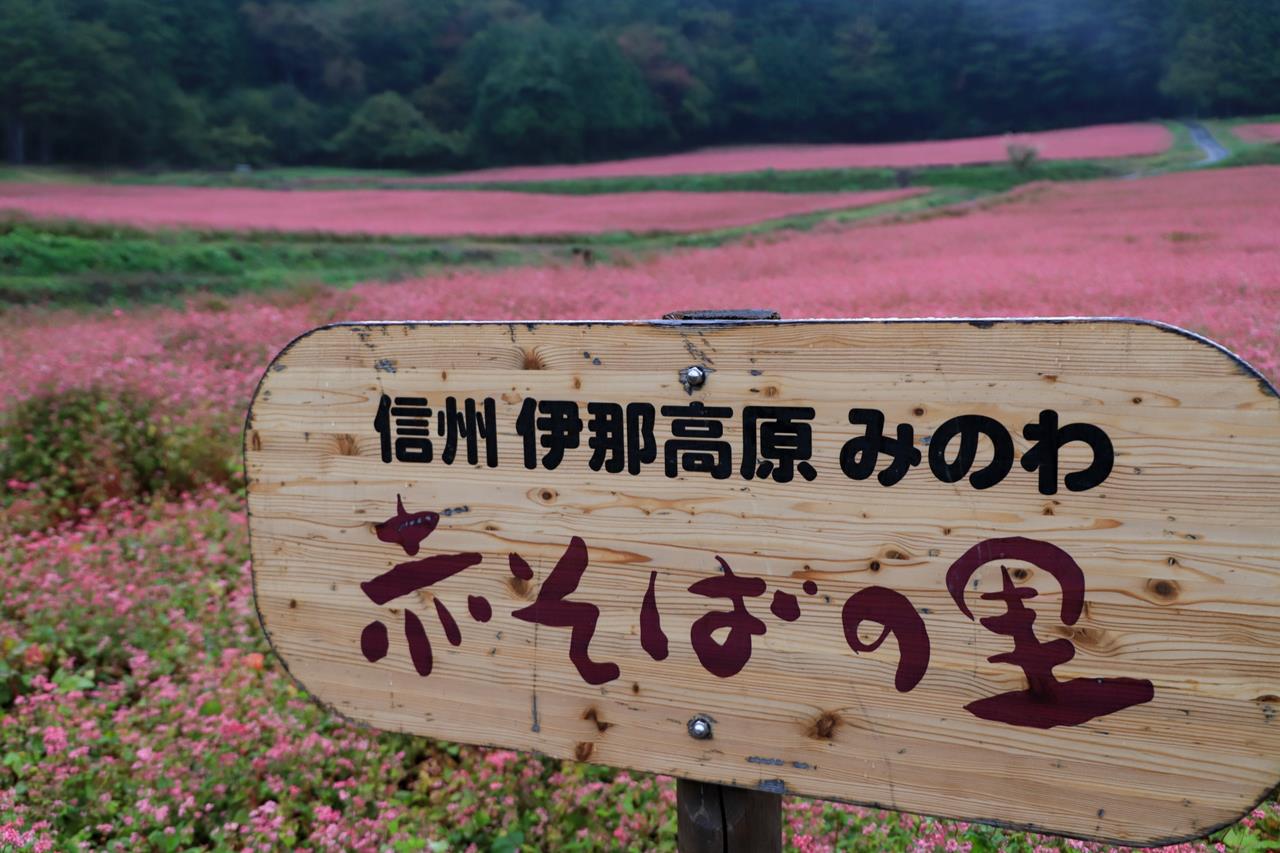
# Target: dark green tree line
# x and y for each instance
(439, 84)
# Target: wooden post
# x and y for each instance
(719, 818)
(722, 819)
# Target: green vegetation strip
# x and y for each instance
(63, 263)
(994, 177)
(990, 177)
(69, 263)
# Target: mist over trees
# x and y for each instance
(438, 84)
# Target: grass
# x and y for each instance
(63, 263)
(1183, 153)
(1239, 151)
(1262, 154)
(990, 177)
(68, 263)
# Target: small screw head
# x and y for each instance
(700, 728)
(695, 376)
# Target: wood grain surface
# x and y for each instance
(1179, 548)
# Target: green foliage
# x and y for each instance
(387, 130)
(435, 84)
(1253, 155)
(1225, 56)
(69, 450)
(619, 112)
(1239, 839)
(291, 125)
(1022, 155)
(993, 177)
(82, 264)
(525, 104)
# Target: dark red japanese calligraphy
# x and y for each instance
(728, 658)
(520, 567)
(407, 529)
(478, 607)
(652, 639)
(415, 633)
(785, 606)
(401, 580)
(895, 612)
(374, 642)
(448, 623)
(412, 576)
(1046, 702)
(552, 609)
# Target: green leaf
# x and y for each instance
(509, 843)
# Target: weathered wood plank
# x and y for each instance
(1178, 549)
(715, 818)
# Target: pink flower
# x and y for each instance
(500, 758)
(55, 740)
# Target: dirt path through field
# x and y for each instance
(1212, 148)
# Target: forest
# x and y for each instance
(446, 84)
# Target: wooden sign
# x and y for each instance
(1025, 572)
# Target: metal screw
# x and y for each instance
(700, 727)
(695, 376)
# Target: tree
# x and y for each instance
(619, 112)
(291, 123)
(492, 81)
(35, 86)
(526, 109)
(1227, 58)
(387, 131)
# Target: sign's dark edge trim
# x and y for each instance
(1242, 365)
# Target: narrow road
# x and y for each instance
(1212, 148)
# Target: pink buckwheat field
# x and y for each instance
(140, 706)
(141, 703)
(1121, 140)
(435, 214)
(1258, 132)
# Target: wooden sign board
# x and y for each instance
(1017, 571)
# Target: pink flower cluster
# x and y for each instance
(1099, 141)
(445, 213)
(1258, 132)
(144, 717)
